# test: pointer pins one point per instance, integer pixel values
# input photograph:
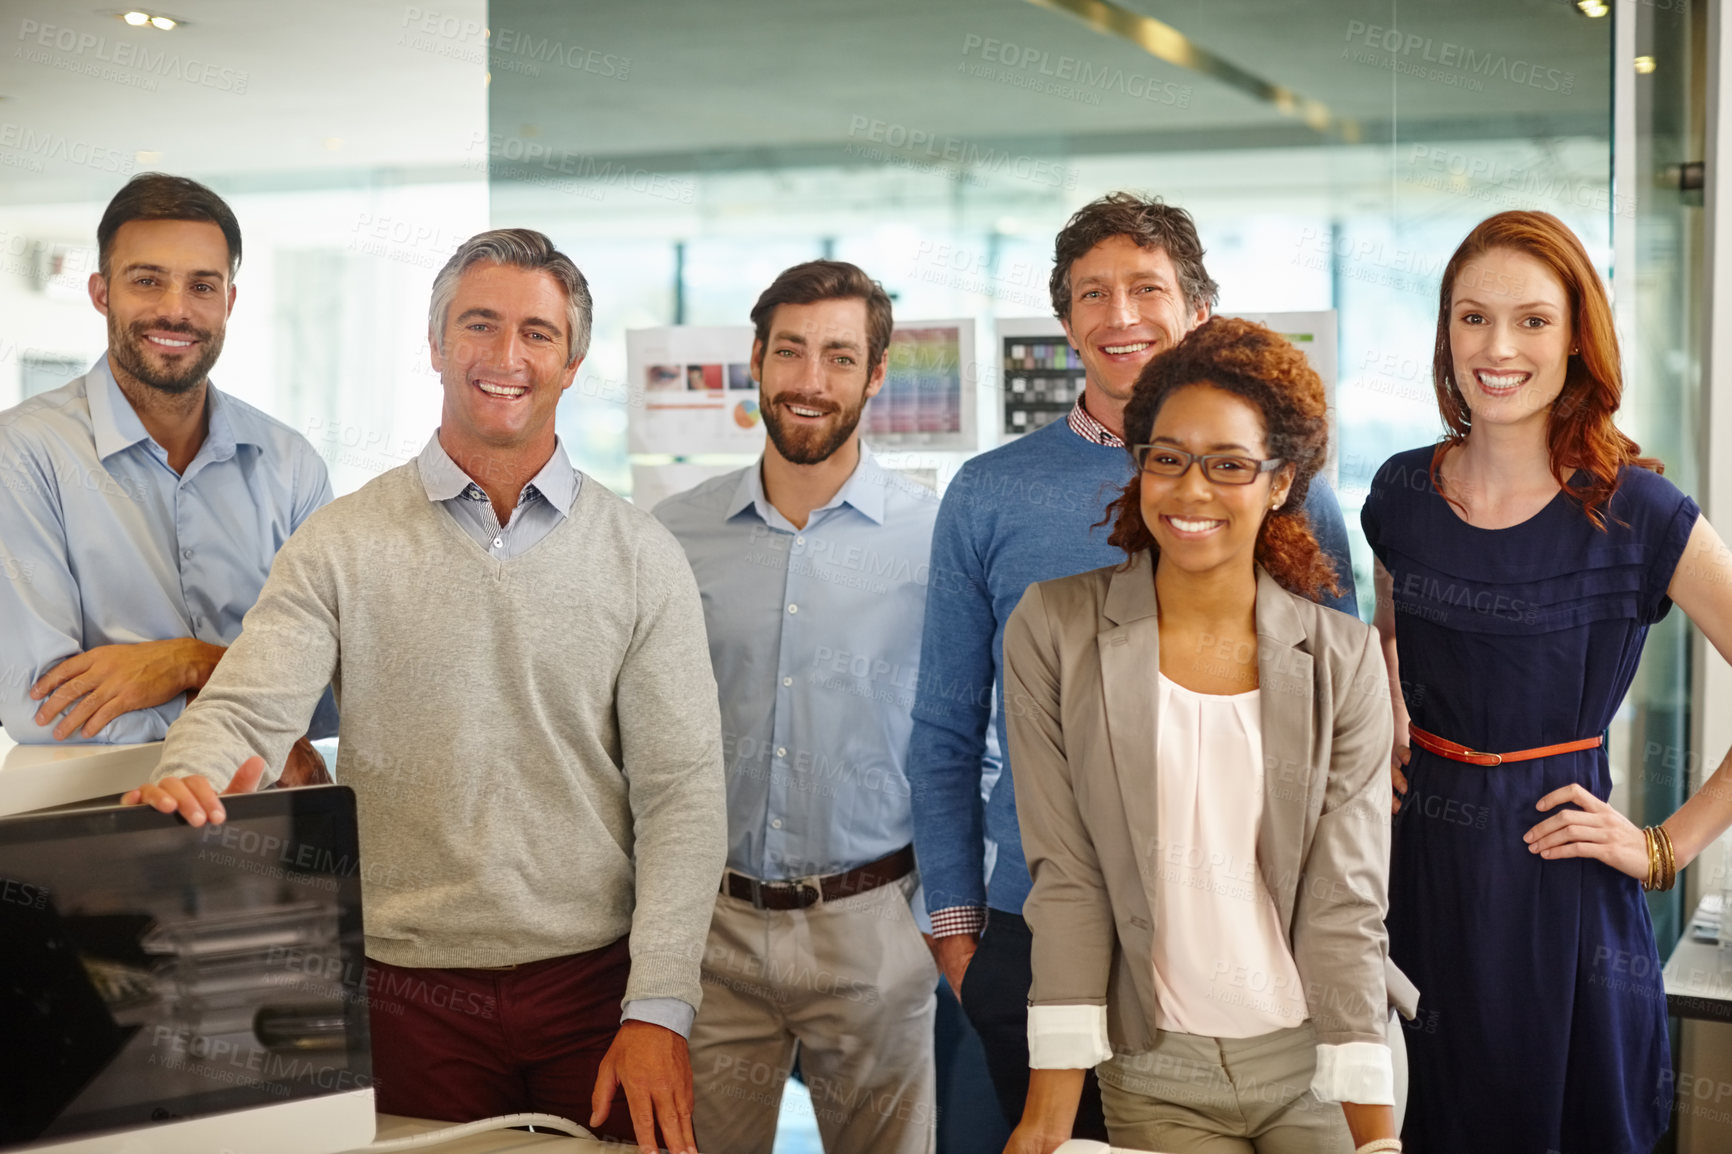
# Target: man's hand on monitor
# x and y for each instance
(95, 687)
(198, 802)
(655, 1066)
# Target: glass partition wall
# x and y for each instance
(1333, 155)
(1332, 152)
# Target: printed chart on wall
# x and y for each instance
(1043, 376)
(697, 390)
(699, 397)
(1314, 334)
(928, 396)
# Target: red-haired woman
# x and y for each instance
(1520, 564)
(1200, 758)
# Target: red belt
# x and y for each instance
(1444, 748)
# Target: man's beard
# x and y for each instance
(810, 446)
(129, 352)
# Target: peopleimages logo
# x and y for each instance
(1456, 64)
(1068, 76)
(1510, 185)
(941, 150)
(16, 138)
(460, 38)
(93, 51)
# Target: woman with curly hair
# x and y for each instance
(1519, 565)
(1200, 756)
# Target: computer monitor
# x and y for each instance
(178, 989)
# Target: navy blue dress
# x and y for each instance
(1542, 1024)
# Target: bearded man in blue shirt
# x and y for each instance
(812, 568)
(141, 507)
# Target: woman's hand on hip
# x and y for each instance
(1594, 830)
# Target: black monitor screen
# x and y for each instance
(151, 971)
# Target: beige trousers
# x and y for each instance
(1197, 1095)
(852, 984)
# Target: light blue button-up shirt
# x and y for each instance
(543, 503)
(815, 638)
(101, 543)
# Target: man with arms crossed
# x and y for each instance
(141, 507)
(812, 566)
(1128, 281)
(529, 725)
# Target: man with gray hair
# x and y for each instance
(529, 723)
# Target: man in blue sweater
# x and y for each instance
(1128, 282)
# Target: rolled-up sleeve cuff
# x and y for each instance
(1067, 1037)
(671, 1013)
(1358, 1072)
(954, 920)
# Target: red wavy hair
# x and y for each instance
(1580, 433)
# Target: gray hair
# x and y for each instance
(520, 248)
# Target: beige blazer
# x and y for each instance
(1080, 657)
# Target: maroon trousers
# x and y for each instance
(457, 1045)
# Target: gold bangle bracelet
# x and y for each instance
(1653, 878)
(1670, 858)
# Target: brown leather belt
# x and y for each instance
(1446, 748)
(798, 893)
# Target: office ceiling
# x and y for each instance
(770, 77)
(262, 94)
(328, 92)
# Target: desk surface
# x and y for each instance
(1696, 985)
(40, 776)
(492, 1142)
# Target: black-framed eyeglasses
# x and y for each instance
(1221, 468)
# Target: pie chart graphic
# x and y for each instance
(746, 414)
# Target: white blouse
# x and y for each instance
(1222, 967)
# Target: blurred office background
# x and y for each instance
(1333, 152)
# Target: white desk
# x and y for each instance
(1696, 986)
(38, 776)
(492, 1142)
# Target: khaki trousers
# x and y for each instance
(852, 984)
(1197, 1095)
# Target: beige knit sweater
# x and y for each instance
(533, 743)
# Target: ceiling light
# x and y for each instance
(1644, 64)
(144, 19)
(1592, 7)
